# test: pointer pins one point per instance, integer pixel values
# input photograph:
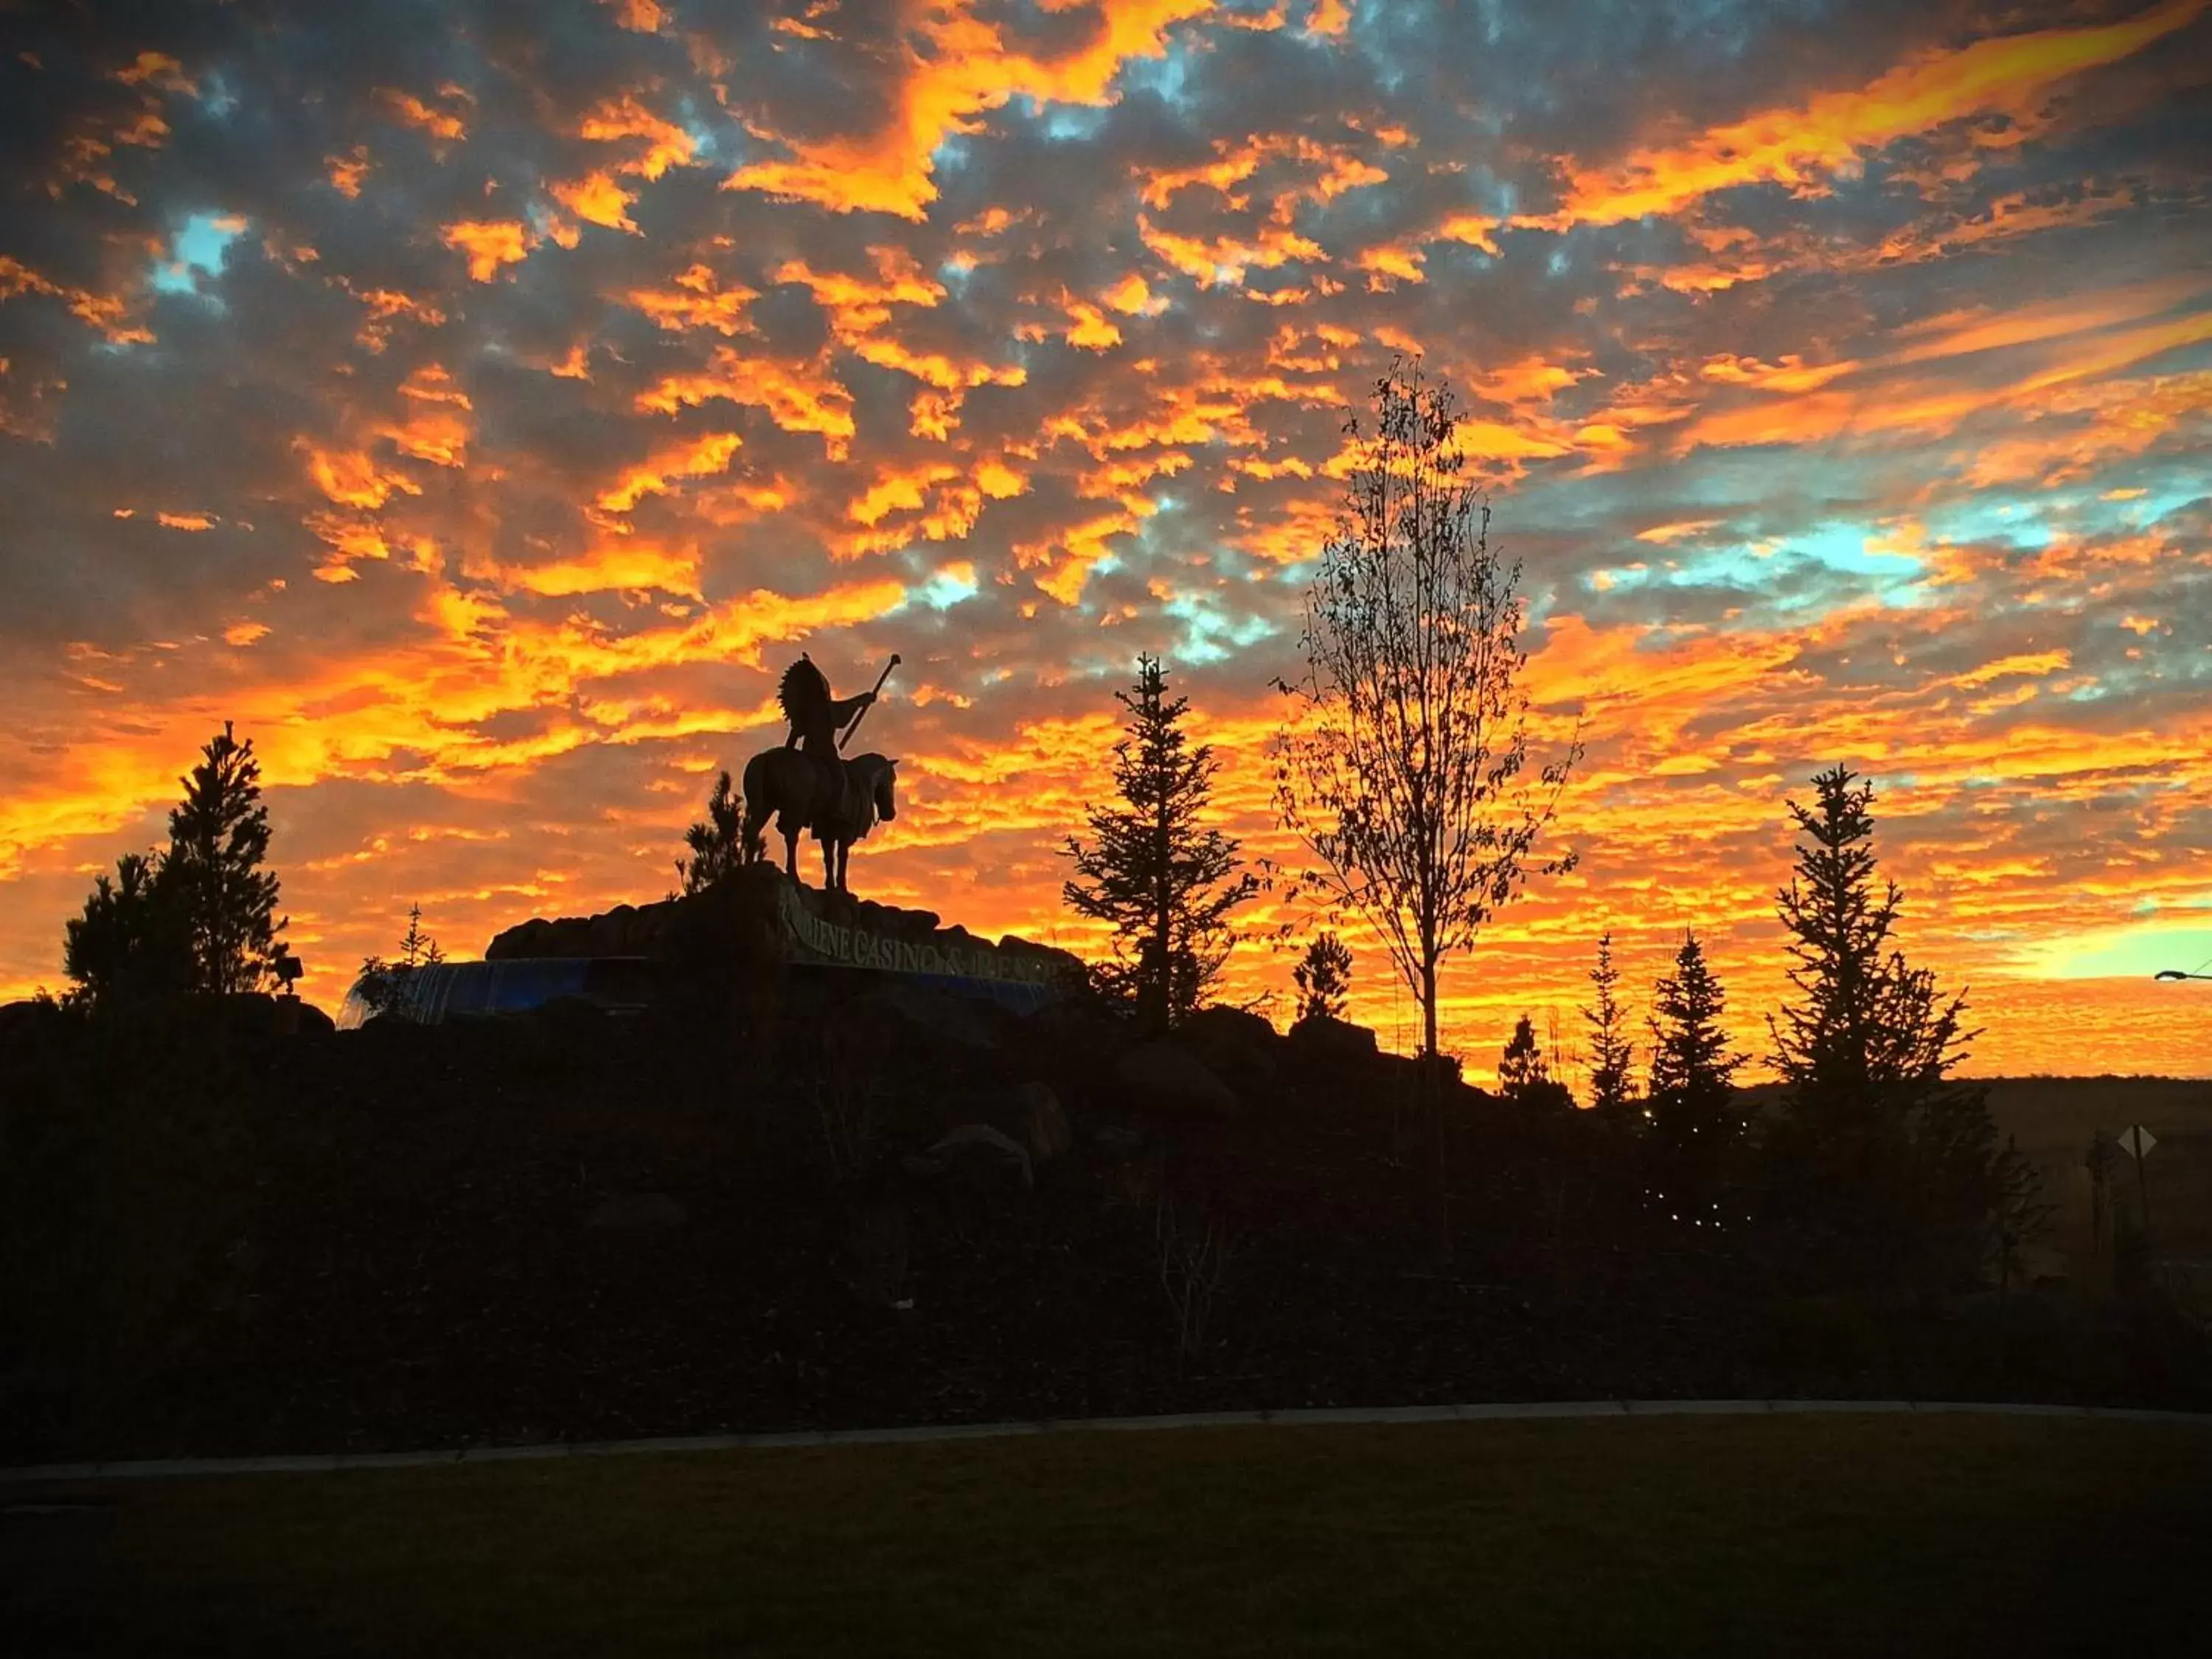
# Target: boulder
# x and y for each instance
(1031, 1116)
(1164, 1078)
(930, 1015)
(292, 1017)
(636, 1212)
(1068, 1043)
(1330, 1041)
(34, 1025)
(1232, 1041)
(983, 1157)
(1228, 1026)
(610, 934)
(925, 1045)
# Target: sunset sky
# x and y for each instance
(480, 402)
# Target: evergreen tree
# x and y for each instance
(1522, 1062)
(218, 837)
(1523, 1075)
(1323, 977)
(1690, 1104)
(1165, 885)
(129, 942)
(1613, 1083)
(416, 948)
(1876, 1143)
(382, 984)
(717, 844)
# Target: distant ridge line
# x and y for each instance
(192, 1467)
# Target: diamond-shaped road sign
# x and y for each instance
(2138, 1140)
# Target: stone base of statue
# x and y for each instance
(760, 917)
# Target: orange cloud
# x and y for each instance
(2007, 76)
(597, 199)
(616, 567)
(1222, 260)
(1066, 560)
(382, 305)
(697, 299)
(1132, 298)
(346, 172)
(798, 397)
(157, 68)
(352, 478)
(703, 457)
(104, 312)
(1790, 374)
(1959, 336)
(621, 120)
(412, 112)
(968, 67)
(489, 244)
(1089, 327)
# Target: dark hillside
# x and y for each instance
(573, 1225)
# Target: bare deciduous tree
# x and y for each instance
(1405, 767)
(1194, 1260)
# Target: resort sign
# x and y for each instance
(810, 938)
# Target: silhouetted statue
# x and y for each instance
(817, 718)
(807, 785)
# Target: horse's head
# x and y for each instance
(885, 789)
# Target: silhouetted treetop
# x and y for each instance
(1164, 883)
(218, 838)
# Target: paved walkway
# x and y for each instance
(171, 1469)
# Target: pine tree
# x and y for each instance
(1876, 1143)
(1165, 885)
(1612, 1085)
(1524, 1076)
(1323, 977)
(218, 837)
(717, 844)
(382, 984)
(416, 948)
(129, 942)
(1691, 1098)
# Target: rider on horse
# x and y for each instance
(816, 719)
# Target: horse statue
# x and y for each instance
(809, 784)
(793, 788)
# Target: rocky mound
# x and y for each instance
(760, 908)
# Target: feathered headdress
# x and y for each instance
(805, 692)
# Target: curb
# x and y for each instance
(1314, 1417)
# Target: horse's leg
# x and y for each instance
(791, 854)
(844, 858)
(829, 866)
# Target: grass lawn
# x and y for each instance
(1846, 1533)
